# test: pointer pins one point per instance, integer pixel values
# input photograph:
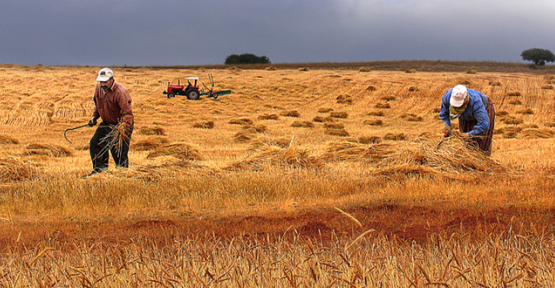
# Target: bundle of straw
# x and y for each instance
(182, 151)
(262, 142)
(292, 156)
(48, 150)
(454, 155)
(116, 138)
(4, 139)
(537, 133)
(150, 143)
(16, 170)
(345, 150)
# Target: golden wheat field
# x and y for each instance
(310, 177)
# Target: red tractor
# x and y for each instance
(192, 90)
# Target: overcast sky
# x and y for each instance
(187, 32)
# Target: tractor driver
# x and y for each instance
(112, 103)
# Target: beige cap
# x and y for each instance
(105, 74)
(458, 94)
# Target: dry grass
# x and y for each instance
(370, 262)
(4, 139)
(337, 132)
(373, 122)
(342, 115)
(371, 88)
(291, 157)
(292, 113)
(204, 125)
(268, 117)
(149, 131)
(241, 121)
(344, 99)
(468, 220)
(15, 169)
(302, 124)
(48, 150)
(382, 105)
(452, 155)
(322, 119)
(183, 151)
(340, 151)
(266, 141)
(150, 143)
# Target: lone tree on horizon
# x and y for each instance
(246, 58)
(538, 56)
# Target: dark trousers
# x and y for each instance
(100, 151)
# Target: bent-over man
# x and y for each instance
(475, 113)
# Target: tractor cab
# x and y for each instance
(189, 82)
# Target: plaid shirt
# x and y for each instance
(113, 106)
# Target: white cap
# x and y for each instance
(105, 74)
(458, 94)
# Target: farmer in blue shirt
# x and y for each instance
(475, 113)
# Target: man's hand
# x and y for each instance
(92, 122)
(464, 136)
(447, 131)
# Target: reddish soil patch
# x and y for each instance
(408, 223)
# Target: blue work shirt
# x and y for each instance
(475, 110)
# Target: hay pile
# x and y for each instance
(262, 142)
(269, 155)
(453, 156)
(181, 151)
(532, 133)
(204, 125)
(4, 139)
(345, 150)
(150, 143)
(16, 170)
(47, 150)
(152, 131)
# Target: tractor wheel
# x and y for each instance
(170, 95)
(193, 94)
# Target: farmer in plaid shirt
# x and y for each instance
(112, 104)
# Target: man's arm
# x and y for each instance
(96, 115)
(444, 112)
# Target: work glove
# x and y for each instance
(447, 131)
(92, 122)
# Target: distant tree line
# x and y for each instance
(246, 58)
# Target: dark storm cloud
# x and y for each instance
(172, 32)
